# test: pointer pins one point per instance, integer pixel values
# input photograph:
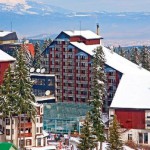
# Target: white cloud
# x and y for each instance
(12, 2)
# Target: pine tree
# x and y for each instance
(98, 94)
(25, 98)
(121, 51)
(16, 91)
(8, 99)
(145, 58)
(46, 44)
(37, 57)
(7, 90)
(87, 137)
(114, 141)
(28, 56)
(135, 55)
(23, 84)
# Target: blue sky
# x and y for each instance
(95, 5)
(103, 5)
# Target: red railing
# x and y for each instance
(25, 135)
(26, 125)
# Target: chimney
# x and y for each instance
(97, 29)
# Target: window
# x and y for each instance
(28, 142)
(129, 137)
(140, 138)
(69, 56)
(41, 119)
(148, 125)
(83, 71)
(57, 55)
(12, 131)
(7, 121)
(41, 110)
(145, 138)
(7, 131)
(37, 120)
(21, 143)
(37, 130)
(83, 64)
(70, 49)
(82, 57)
(59, 42)
(38, 142)
(40, 129)
(66, 42)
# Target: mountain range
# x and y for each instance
(36, 19)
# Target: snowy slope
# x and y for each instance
(74, 141)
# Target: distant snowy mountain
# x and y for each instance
(32, 7)
(36, 18)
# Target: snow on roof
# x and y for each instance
(133, 92)
(112, 59)
(44, 98)
(42, 75)
(4, 57)
(4, 33)
(134, 88)
(45, 133)
(36, 104)
(87, 34)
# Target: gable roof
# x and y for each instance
(87, 34)
(6, 35)
(134, 88)
(4, 57)
(133, 92)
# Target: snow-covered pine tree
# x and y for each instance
(23, 86)
(28, 56)
(25, 98)
(114, 140)
(37, 58)
(8, 98)
(50, 41)
(46, 44)
(134, 57)
(121, 51)
(98, 94)
(145, 57)
(87, 138)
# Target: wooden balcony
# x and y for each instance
(26, 125)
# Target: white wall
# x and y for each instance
(135, 135)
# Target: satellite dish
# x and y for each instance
(38, 70)
(43, 70)
(48, 92)
(32, 70)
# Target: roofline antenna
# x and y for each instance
(80, 31)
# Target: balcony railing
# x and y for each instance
(25, 135)
(26, 125)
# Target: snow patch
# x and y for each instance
(13, 2)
